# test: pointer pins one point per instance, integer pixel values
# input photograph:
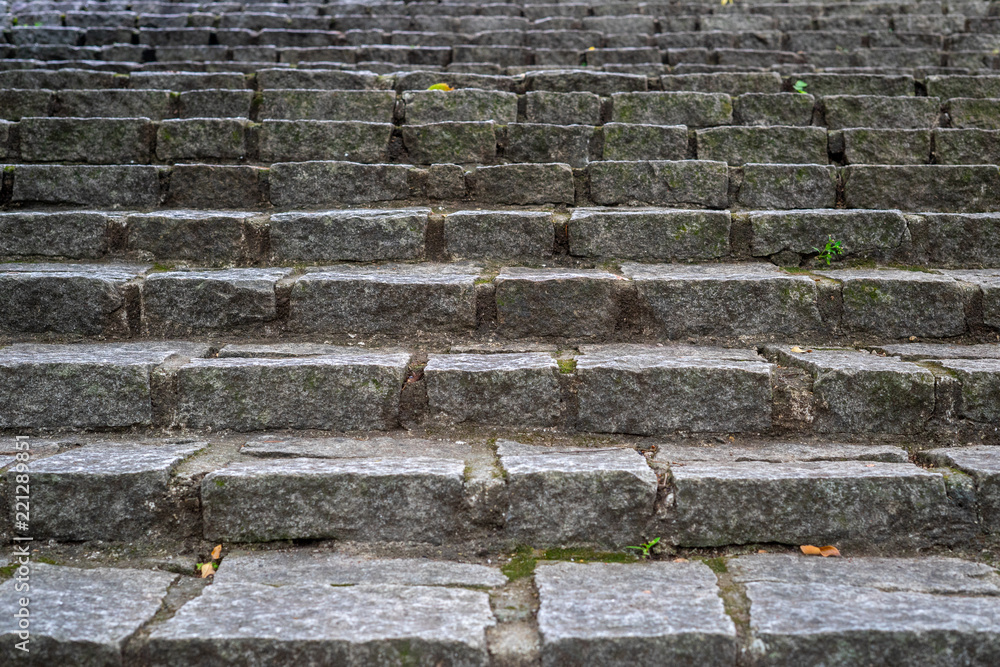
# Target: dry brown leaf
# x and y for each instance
(810, 550)
(216, 552)
(680, 560)
(796, 349)
(762, 551)
(207, 570)
(829, 550)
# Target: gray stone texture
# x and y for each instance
(296, 140)
(939, 188)
(435, 106)
(803, 231)
(359, 235)
(217, 186)
(879, 146)
(967, 146)
(778, 144)
(780, 452)
(821, 84)
(982, 463)
(693, 109)
(980, 379)
(957, 239)
(72, 234)
(650, 234)
(632, 141)
(532, 142)
(94, 140)
(87, 185)
(450, 142)
(207, 237)
(201, 138)
(660, 182)
(562, 108)
(983, 114)
(315, 184)
(787, 186)
(373, 106)
(878, 111)
(499, 235)
(773, 109)
(523, 184)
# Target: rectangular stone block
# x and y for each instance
(739, 145)
(73, 234)
(201, 138)
(17, 104)
(967, 146)
(956, 239)
(647, 390)
(660, 182)
(570, 303)
(499, 235)
(35, 79)
(730, 83)
(789, 186)
(560, 108)
(980, 380)
(318, 79)
(964, 112)
(693, 109)
(856, 392)
(948, 86)
(982, 463)
(625, 141)
(215, 103)
(207, 237)
(530, 142)
(151, 104)
(988, 283)
(651, 234)
(301, 140)
(599, 83)
(940, 188)
(523, 184)
(315, 184)
(468, 104)
(359, 235)
(345, 391)
(601, 612)
(801, 232)
(450, 142)
(878, 111)
(507, 389)
(210, 186)
(875, 146)
(94, 140)
(385, 299)
(373, 106)
(794, 109)
(726, 300)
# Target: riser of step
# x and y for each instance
(642, 390)
(384, 490)
(687, 183)
(649, 300)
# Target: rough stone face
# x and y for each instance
(692, 109)
(298, 567)
(811, 503)
(601, 83)
(94, 140)
(374, 106)
(563, 108)
(361, 624)
(351, 390)
(980, 380)
(943, 188)
(104, 491)
(652, 390)
(313, 184)
(632, 141)
(200, 138)
(16, 104)
(180, 301)
(87, 185)
(500, 235)
(506, 389)
(783, 186)
(86, 299)
(642, 614)
(80, 616)
(803, 231)
(774, 109)
(272, 446)
(982, 114)
(217, 186)
(652, 234)
(436, 106)
(920, 351)
(781, 452)
(601, 496)
(215, 103)
(417, 499)
(356, 141)
(821, 84)
(982, 463)
(660, 182)
(965, 146)
(210, 237)
(949, 86)
(878, 111)
(733, 83)
(523, 184)
(531, 142)
(726, 300)
(450, 142)
(988, 282)
(899, 304)
(740, 145)
(359, 235)
(312, 79)
(73, 234)
(557, 302)
(957, 239)
(857, 392)
(876, 146)
(386, 298)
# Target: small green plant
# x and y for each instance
(800, 86)
(644, 549)
(566, 366)
(829, 251)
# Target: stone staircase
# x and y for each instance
(427, 311)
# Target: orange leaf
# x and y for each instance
(216, 552)
(762, 551)
(680, 560)
(207, 570)
(810, 550)
(828, 550)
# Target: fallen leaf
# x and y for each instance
(810, 550)
(762, 551)
(869, 465)
(829, 550)
(680, 560)
(216, 552)
(440, 86)
(591, 48)
(796, 349)
(207, 570)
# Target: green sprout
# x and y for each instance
(829, 251)
(644, 549)
(800, 86)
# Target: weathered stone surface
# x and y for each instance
(79, 616)
(351, 390)
(774, 109)
(87, 185)
(942, 188)
(557, 302)
(660, 182)
(201, 138)
(562, 108)
(652, 234)
(732, 83)
(983, 114)
(650, 390)
(74, 234)
(780, 452)
(392, 298)
(980, 379)
(821, 84)
(601, 83)
(601, 496)
(94, 140)
(643, 614)
(103, 491)
(897, 304)
(523, 184)
(363, 624)
(786, 186)
(181, 301)
(417, 499)
(450, 142)
(803, 231)
(726, 300)
(360, 235)
(501, 235)
(314, 79)
(878, 146)
(436, 106)
(982, 463)
(967, 146)
(16, 104)
(740, 145)
(422, 79)
(877, 111)
(84, 299)
(314, 184)
(215, 103)
(857, 392)
(952, 85)
(152, 104)
(957, 239)
(531, 142)
(281, 568)
(273, 446)
(356, 141)
(988, 282)
(217, 186)
(692, 109)
(625, 141)
(374, 106)
(920, 351)
(505, 389)
(208, 237)
(811, 502)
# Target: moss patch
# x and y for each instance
(521, 564)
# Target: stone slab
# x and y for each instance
(660, 183)
(208, 237)
(499, 235)
(982, 463)
(651, 234)
(780, 452)
(73, 234)
(273, 446)
(362, 235)
(87, 185)
(318, 184)
(803, 231)
(920, 351)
